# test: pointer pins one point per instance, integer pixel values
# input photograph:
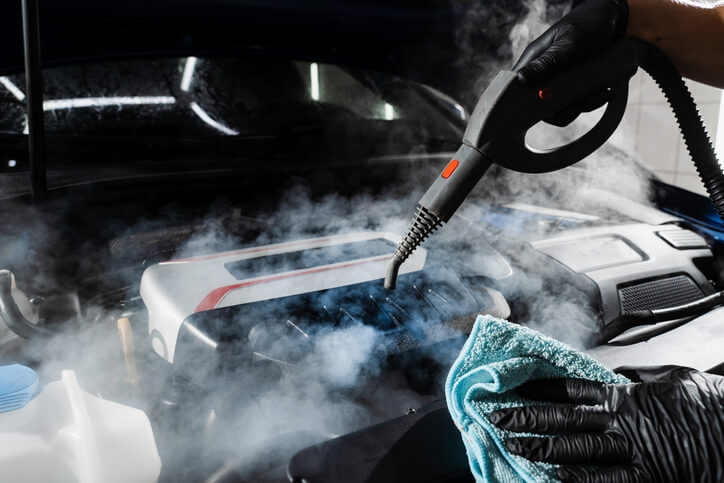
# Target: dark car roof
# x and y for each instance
(442, 43)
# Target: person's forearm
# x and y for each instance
(690, 33)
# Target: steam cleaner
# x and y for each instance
(507, 110)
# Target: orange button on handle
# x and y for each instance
(451, 166)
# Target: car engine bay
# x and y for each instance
(245, 343)
(197, 277)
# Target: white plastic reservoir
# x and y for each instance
(65, 435)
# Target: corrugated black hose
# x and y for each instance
(701, 150)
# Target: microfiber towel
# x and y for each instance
(497, 357)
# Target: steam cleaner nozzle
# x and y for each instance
(439, 203)
(423, 224)
(393, 269)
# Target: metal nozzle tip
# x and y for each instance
(393, 268)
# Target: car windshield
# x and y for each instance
(123, 118)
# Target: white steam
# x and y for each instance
(337, 381)
(343, 353)
(533, 25)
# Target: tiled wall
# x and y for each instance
(649, 130)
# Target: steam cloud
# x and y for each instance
(341, 385)
(270, 410)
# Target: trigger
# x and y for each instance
(570, 113)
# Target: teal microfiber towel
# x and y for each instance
(497, 357)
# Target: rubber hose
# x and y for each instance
(653, 316)
(692, 128)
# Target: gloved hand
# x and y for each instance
(670, 430)
(587, 30)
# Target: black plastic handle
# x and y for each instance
(508, 110)
(532, 160)
(456, 181)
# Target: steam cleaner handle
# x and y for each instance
(508, 110)
(456, 181)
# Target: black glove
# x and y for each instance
(670, 430)
(585, 31)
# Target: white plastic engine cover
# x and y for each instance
(66, 435)
(176, 289)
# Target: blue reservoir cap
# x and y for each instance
(18, 385)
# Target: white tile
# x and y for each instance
(719, 136)
(634, 87)
(690, 182)
(666, 176)
(710, 115)
(657, 137)
(684, 163)
(625, 136)
(702, 92)
(650, 92)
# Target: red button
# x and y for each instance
(545, 93)
(451, 166)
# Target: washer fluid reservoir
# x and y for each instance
(61, 433)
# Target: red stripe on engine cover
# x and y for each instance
(212, 299)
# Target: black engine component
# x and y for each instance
(658, 294)
(423, 312)
(389, 452)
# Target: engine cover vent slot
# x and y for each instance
(682, 239)
(659, 294)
